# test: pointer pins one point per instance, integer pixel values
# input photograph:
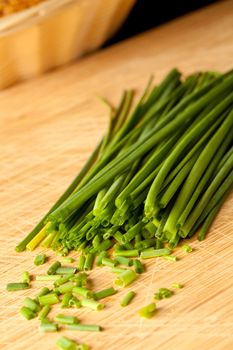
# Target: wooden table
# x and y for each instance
(48, 127)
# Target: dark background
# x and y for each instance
(147, 14)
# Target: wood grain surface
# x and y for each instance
(47, 129)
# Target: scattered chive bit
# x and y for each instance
(109, 262)
(66, 270)
(62, 280)
(83, 347)
(88, 265)
(81, 263)
(27, 313)
(53, 268)
(75, 302)
(84, 327)
(66, 319)
(47, 326)
(44, 312)
(117, 270)
(65, 288)
(163, 293)
(125, 278)
(87, 293)
(122, 260)
(31, 304)
(99, 258)
(187, 248)
(40, 259)
(170, 257)
(65, 343)
(148, 311)
(128, 253)
(48, 299)
(138, 266)
(148, 254)
(177, 285)
(67, 260)
(104, 293)
(47, 277)
(127, 298)
(65, 301)
(92, 304)
(26, 278)
(43, 291)
(12, 287)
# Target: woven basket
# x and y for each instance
(54, 33)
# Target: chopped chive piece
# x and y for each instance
(87, 293)
(139, 268)
(11, 287)
(65, 301)
(177, 285)
(27, 313)
(48, 299)
(104, 293)
(127, 298)
(83, 347)
(89, 262)
(66, 270)
(63, 280)
(99, 258)
(117, 270)
(31, 304)
(84, 327)
(67, 260)
(75, 302)
(163, 293)
(81, 263)
(124, 261)
(154, 253)
(40, 259)
(92, 304)
(65, 288)
(125, 278)
(109, 262)
(130, 253)
(26, 278)
(187, 248)
(148, 311)
(170, 257)
(43, 291)
(65, 319)
(47, 277)
(65, 343)
(44, 312)
(53, 268)
(46, 326)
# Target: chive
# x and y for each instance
(100, 257)
(92, 304)
(109, 262)
(148, 311)
(163, 293)
(36, 240)
(75, 302)
(127, 253)
(67, 260)
(26, 277)
(187, 248)
(53, 268)
(46, 326)
(177, 285)
(63, 280)
(47, 241)
(124, 261)
(83, 347)
(31, 304)
(43, 291)
(48, 299)
(65, 287)
(65, 319)
(47, 277)
(87, 293)
(11, 287)
(170, 257)
(44, 312)
(127, 298)
(65, 343)
(66, 270)
(84, 327)
(125, 278)
(89, 262)
(40, 259)
(104, 293)
(65, 301)
(155, 253)
(139, 268)
(81, 263)
(27, 313)
(117, 270)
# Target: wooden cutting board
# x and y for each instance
(48, 127)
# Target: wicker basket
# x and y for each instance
(54, 33)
